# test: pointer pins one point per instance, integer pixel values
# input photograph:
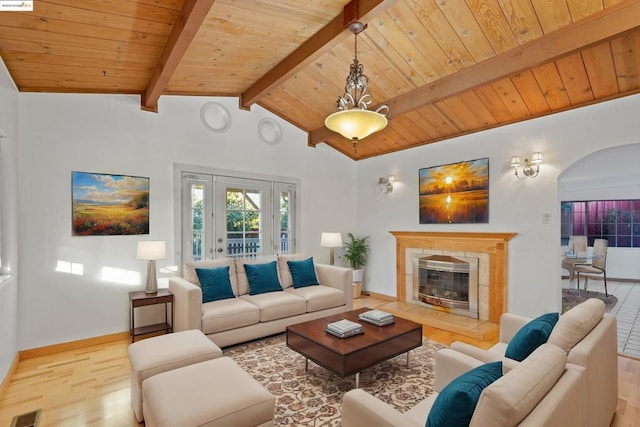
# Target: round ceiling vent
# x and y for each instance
(269, 131)
(215, 117)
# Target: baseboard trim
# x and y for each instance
(7, 379)
(377, 295)
(71, 345)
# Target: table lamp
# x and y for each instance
(331, 240)
(151, 250)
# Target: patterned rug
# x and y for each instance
(570, 298)
(314, 398)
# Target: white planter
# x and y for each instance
(358, 275)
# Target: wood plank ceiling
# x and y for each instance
(445, 67)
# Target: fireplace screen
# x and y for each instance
(447, 283)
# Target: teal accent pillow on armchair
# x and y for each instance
(531, 336)
(303, 273)
(456, 402)
(215, 283)
(262, 278)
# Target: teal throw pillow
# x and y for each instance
(455, 404)
(215, 283)
(262, 278)
(303, 273)
(531, 336)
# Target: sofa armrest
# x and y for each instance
(510, 324)
(360, 409)
(449, 365)
(339, 278)
(187, 304)
(485, 356)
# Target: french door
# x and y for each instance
(239, 217)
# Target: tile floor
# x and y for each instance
(627, 312)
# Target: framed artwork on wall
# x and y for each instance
(109, 205)
(457, 193)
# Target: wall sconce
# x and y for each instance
(386, 184)
(331, 240)
(531, 168)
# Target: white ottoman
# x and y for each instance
(163, 353)
(212, 393)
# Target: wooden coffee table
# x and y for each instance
(348, 356)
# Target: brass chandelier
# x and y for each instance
(353, 120)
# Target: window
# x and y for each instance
(618, 221)
(226, 214)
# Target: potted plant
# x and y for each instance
(356, 255)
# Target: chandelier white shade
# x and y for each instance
(353, 120)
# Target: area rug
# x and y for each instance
(571, 298)
(314, 398)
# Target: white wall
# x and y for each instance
(609, 174)
(515, 205)
(110, 134)
(8, 216)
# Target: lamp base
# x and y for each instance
(152, 283)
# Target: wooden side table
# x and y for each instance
(141, 299)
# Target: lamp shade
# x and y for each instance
(356, 124)
(152, 250)
(331, 240)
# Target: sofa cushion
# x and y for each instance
(286, 280)
(319, 297)
(509, 400)
(190, 274)
(215, 283)
(276, 305)
(262, 278)
(303, 273)
(218, 316)
(241, 273)
(531, 336)
(456, 402)
(576, 323)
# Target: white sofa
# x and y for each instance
(542, 390)
(246, 317)
(590, 339)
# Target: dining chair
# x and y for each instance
(597, 266)
(577, 244)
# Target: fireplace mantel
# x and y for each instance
(493, 244)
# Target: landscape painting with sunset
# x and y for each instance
(456, 193)
(105, 204)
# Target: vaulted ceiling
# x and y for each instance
(444, 67)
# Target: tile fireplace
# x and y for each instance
(490, 250)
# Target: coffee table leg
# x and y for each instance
(408, 358)
(306, 364)
(357, 379)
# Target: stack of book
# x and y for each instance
(377, 317)
(344, 328)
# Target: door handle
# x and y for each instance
(220, 250)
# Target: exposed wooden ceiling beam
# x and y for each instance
(189, 20)
(597, 28)
(322, 41)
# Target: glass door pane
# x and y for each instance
(242, 217)
(284, 198)
(197, 226)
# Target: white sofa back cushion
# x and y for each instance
(286, 279)
(509, 400)
(190, 274)
(241, 274)
(576, 323)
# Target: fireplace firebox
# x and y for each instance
(446, 283)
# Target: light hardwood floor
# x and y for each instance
(89, 385)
